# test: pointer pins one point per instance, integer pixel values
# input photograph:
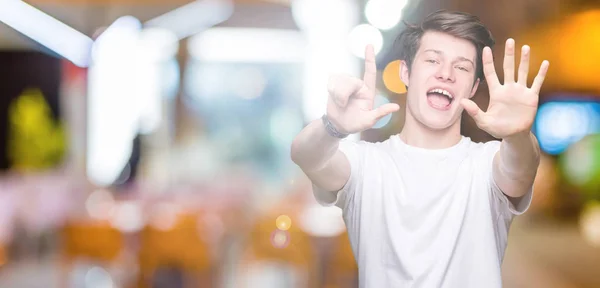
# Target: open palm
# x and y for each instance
(513, 105)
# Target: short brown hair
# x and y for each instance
(457, 24)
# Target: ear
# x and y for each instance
(404, 73)
(474, 89)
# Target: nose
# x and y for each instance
(445, 73)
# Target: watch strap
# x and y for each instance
(330, 128)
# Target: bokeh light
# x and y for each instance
(363, 35)
(250, 83)
(164, 216)
(391, 77)
(100, 204)
(384, 14)
(589, 223)
(577, 47)
(381, 100)
(320, 221)
(559, 124)
(128, 217)
(118, 40)
(285, 124)
(247, 45)
(326, 16)
(97, 277)
(157, 44)
(280, 239)
(283, 222)
(581, 164)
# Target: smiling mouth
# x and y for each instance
(440, 99)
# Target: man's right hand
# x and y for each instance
(351, 100)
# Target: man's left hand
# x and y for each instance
(513, 105)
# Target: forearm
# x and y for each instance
(313, 147)
(517, 163)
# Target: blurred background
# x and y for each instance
(145, 143)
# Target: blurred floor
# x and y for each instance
(540, 254)
(548, 254)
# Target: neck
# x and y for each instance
(417, 134)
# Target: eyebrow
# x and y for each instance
(459, 58)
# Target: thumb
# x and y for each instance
(384, 110)
(473, 110)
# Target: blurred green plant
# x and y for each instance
(580, 165)
(36, 141)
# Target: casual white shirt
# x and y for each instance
(425, 218)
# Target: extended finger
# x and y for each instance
(370, 76)
(524, 65)
(539, 79)
(509, 61)
(488, 68)
(384, 110)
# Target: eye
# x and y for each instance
(431, 61)
(462, 68)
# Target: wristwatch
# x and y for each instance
(331, 130)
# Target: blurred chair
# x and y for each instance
(342, 270)
(180, 248)
(287, 250)
(95, 241)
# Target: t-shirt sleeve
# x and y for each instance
(499, 200)
(352, 150)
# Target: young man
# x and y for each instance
(429, 207)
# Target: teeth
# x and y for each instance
(442, 91)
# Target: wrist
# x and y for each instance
(520, 147)
(520, 137)
(519, 153)
(331, 129)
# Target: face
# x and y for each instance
(442, 73)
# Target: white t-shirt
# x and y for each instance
(425, 218)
